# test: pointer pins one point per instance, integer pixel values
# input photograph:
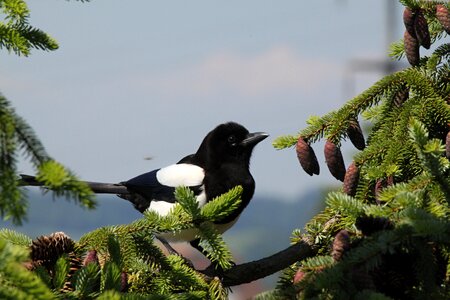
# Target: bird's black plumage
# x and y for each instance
(224, 155)
(221, 162)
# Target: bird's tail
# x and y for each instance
(96, 187)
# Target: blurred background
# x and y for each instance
(136, 85)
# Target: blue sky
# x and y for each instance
(136, 79)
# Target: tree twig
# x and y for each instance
(251, 271)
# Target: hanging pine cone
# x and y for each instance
(49, 248)
(334, 160)
(411, 45)
(380, 185)
(447, 145)
(356, 136)
(351, 179)
(421, 29)
(401, 96)
(124, 282)
(341, 244)
(369, 225)
(91, 257)
(408, 19)
(307, 157)
(443, 17)
(299, 275)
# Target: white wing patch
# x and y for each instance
(181, 174)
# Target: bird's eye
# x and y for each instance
(232, 140)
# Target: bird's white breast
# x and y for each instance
(163, 207)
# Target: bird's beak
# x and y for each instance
(253, 138)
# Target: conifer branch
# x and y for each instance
(251, 271)
(17, 35)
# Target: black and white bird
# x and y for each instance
(221, 162)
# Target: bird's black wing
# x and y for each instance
(155, 189)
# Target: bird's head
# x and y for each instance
(229, 142)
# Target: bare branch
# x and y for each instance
(251, 271)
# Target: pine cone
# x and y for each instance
(380, 185)
(299, 275)
(443, 17)
(32, 265)
(401, 96)
(124, 282)
(50, 248)
(421, 28)
(341, 244)
(334, 160)
(411, 48)
(307, 157)
(356, 136)
(351, 179)
(91, 257)
(369, 225)
(409, 21)
(75, 264)
(447, 145)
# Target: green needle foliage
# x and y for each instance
(122, 261)
(18, 138)
(16, 281)
(16, 34)
(386, 237)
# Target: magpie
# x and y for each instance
(221, 162)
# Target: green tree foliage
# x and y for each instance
(17, 35)
(385, 235)
(122, 261)
(18, 138)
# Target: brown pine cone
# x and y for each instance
(409, 17)
(91, 257)
(334, 160)
(369, 224)
(411, 45)
(356, 136)
(75, 264)
(401, 96)
(341, 244)
(32, 265)
(380, 185)
(49, 248)
(443, 17)
(124, 282)
(351, 179)
(421, 29)
(447, 145)
(299, 275)
(307, 157)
